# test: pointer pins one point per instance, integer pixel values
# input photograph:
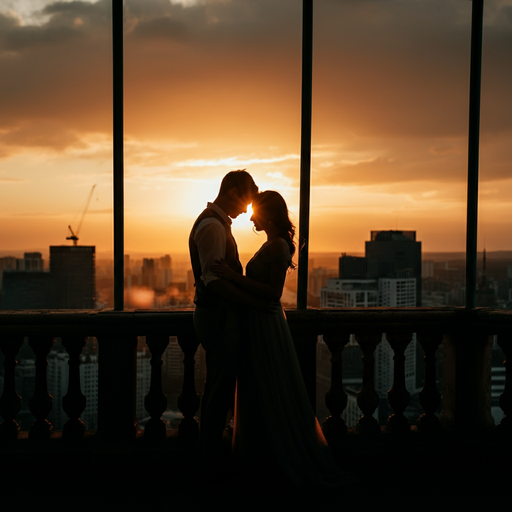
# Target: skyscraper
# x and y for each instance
(148, 272)
(350, 293)
(31, 262)
(394, 254)
(392, 264)
(70, 284)
(352, 267)
(74, 270)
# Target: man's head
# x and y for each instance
(237, 190)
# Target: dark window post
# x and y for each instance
(305, 152)
(473, 153)
(118, 152)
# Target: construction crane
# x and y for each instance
(74, 236)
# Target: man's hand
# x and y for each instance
(222, 269)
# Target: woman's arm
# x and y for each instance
(233, 293)
(270, 291)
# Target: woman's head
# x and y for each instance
(270, 207)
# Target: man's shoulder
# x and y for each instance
(208, 228)
(209, 223)
(209, 213)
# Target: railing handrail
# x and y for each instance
(442, 319)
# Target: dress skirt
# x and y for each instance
(275, 426)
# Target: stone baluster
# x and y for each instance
(398, 396)
(467, 382)
(505, 343)
(10, 402)
(429, 396)
(304, 342)
(41, 402)
(188, 400)
(155, 401)
(117, 375)
(367, 397)
(74, 401)
(336, 399)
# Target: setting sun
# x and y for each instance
(213, 88)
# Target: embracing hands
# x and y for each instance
(222, 269)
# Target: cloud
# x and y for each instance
(12, 180)
(365, 161)
(390, 85)
(235, 162)
(41, 134)
(8, 21)
(35, 214)
(22, 38)
(160, 29)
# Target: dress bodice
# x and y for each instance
(274, 250)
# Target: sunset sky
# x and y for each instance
(214, 85)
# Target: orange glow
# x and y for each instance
(212, 86)
(142, 298)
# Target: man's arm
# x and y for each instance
(227, 290)
(270, 291)
(211, 244)
(278, 261)
(210, 238)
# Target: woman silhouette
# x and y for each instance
(275, 425)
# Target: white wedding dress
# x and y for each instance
(275, 427)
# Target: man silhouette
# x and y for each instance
(216, 319)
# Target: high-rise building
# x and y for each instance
(143, 382)
(58, 379)
(190, 280)
(352, 267)
(25, 385)
(498, 379)
(148, 272)
(350, 293)
(397, 292)
(394, 254)
(70, 283)
(31, 262)
(172, 359)
(165, 262)
(486, 290)
(30, 290)
(164, 272)
(127, 265)
(74, 269)
(8, 263)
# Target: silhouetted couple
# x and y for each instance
(242, 327)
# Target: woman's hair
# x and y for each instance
(273, 203)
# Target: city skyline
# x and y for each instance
(212, 86)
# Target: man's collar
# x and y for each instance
(220, 211)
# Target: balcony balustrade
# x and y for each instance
(465, 335)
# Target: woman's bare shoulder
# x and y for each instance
(279, 248)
